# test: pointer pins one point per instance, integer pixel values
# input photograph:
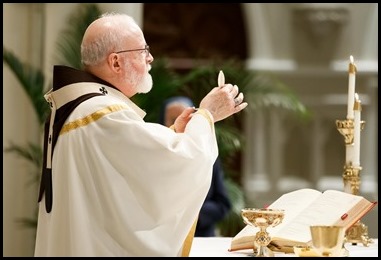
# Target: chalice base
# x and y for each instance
(264, 251)
(358, 233)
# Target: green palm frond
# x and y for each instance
(27, 222)
(31, 80)
(31, 153)
(232, 223)
(266, 91)
(236, 195)
(229, 139)
(69, 43)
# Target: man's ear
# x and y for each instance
(113, 62)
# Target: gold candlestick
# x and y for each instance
(345, 127)
(351, 178)
(358, 233)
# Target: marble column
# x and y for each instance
(278, 133)
(317, 137)
(255, 178)
(369, 136)
(265, 52)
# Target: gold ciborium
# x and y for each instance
(328, 240)
(262, 218)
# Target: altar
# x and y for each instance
(219, 247)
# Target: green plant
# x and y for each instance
(32, 81)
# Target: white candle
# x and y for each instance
(356, 131)
(349, 153)
(351, 88)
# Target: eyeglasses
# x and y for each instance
(146, 49)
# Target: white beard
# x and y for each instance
(145, 84)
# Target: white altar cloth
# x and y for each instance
(218, 247)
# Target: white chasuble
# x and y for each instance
(123, 187)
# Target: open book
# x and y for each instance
(304, 208)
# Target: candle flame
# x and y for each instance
(351, 59)
(356, 97)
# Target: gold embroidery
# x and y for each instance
(172, 127)
(91, 118)
(207, 115)
(187, 245)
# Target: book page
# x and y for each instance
(293, 203)
(326, 210)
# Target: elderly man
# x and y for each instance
(113, 184)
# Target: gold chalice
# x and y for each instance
(328, 240)
(262, 218)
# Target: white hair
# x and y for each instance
(107, 40)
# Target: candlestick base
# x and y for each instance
(358, 233)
